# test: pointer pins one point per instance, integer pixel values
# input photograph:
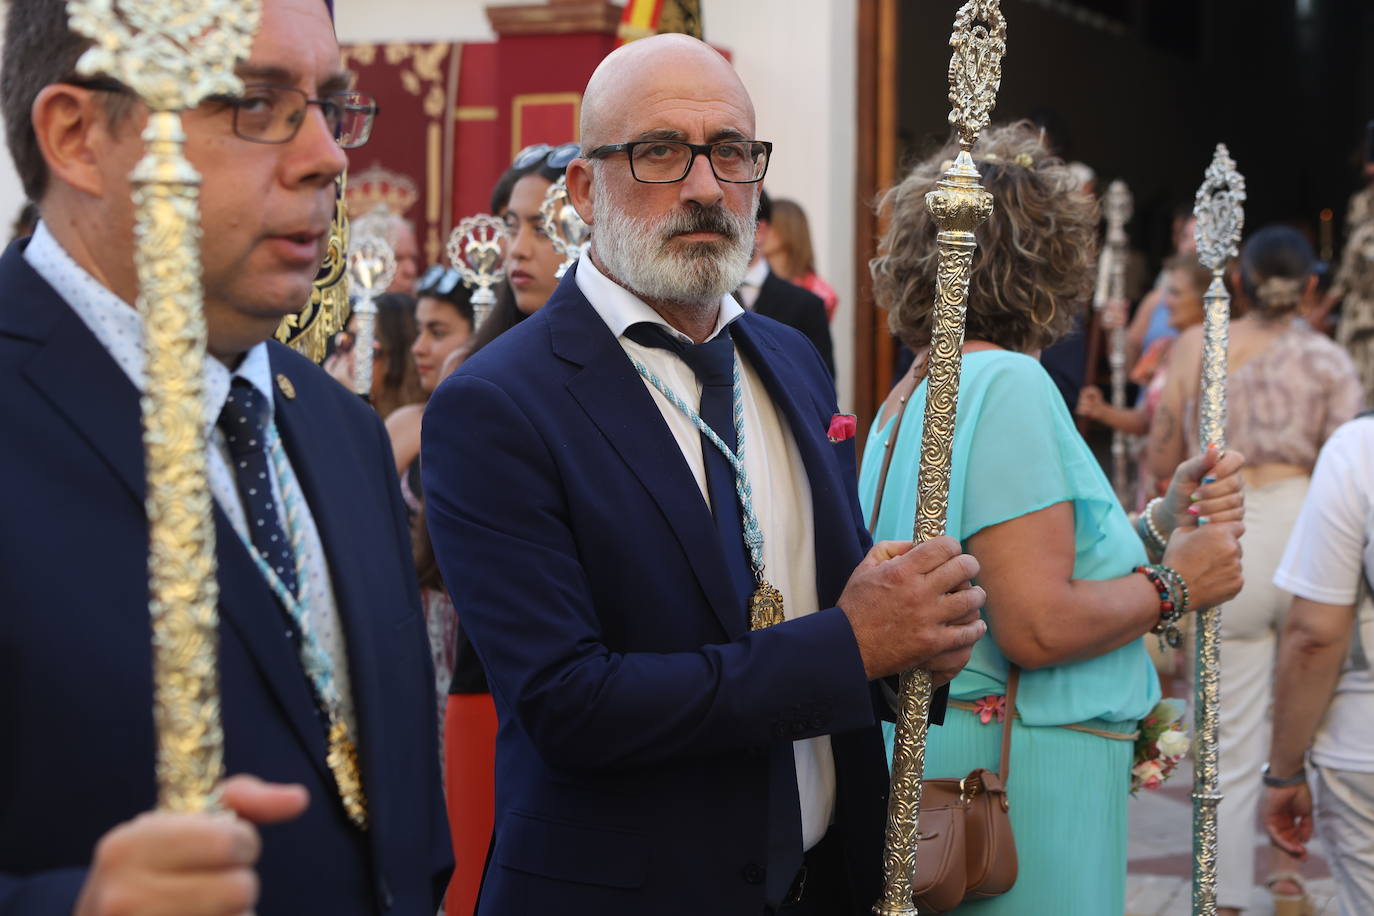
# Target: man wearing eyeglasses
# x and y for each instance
(322, 650)
(621, 490)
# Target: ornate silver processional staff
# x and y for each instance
(371, 268)
(959, 204)
(564, 227)
(1111, 291)
(477, 250)
(173, 54)
(1220, 215)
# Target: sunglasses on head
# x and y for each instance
(555, 157)
(438, 280)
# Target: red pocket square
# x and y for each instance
(842, 427)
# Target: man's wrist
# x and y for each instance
(1282, 777)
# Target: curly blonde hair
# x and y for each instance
(1035, 262)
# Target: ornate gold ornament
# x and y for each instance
(1220, 215)
(342, 759)
(765, 607)
(1111, 288)
(959, 205)
(174, 53)
(287, 389)
(564, 227)
(378, 188)
(477, 250)
(310, 329)
(371, 268)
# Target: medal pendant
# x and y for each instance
(765, 608)
(343, 763)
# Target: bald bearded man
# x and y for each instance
(664, 747)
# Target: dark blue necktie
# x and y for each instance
(244, 421)
(713, 363)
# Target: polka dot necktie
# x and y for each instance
(244, 422)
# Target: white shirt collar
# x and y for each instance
(757, 273)
(620, 308)
(119, 326)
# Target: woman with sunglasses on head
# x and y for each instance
(531, 260)
(470, 717)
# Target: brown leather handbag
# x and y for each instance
(965, 849)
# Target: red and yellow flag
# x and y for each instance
(643, 18)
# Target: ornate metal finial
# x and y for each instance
(975, 68)
(477, 250)
(1117, 207)
(1219, 220)
(562, 224)
(1219, 210)
(174, 53)
(959, 204)
(371, 268)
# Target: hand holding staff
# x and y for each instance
(959, 205)
(1219, 219)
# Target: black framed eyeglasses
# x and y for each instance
(274, 114)
(437, 281)
(667, 161)
(555, 157)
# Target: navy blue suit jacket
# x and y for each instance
(75, 659)
(636, 708)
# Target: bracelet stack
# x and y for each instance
(1149, 532)
(1173, 602)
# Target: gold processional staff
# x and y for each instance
(1220, 215)
(173, 54)
(1111, 291)
(959, 204)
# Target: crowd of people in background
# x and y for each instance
(601, 677)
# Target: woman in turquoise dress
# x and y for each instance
(1030, 502)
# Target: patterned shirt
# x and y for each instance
(119, 328)
(1283, 403)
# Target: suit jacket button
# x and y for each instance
(753, 873)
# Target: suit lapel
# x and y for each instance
(68, 366)
(829, 497)
(614, 397)
(332, 475)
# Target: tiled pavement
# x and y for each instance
(1159, 875)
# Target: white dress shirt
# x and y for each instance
(119, 328)
(752, 284)
(782, 492)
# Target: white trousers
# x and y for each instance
(1343, 808)
(1250, 626)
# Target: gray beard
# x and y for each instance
(634, 251)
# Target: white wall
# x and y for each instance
(797, 57)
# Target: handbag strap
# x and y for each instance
(1013, 681)
(907, 386)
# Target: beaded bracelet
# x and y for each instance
(1167, 583)
(1155, 540)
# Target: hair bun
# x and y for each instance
(1278, 294)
